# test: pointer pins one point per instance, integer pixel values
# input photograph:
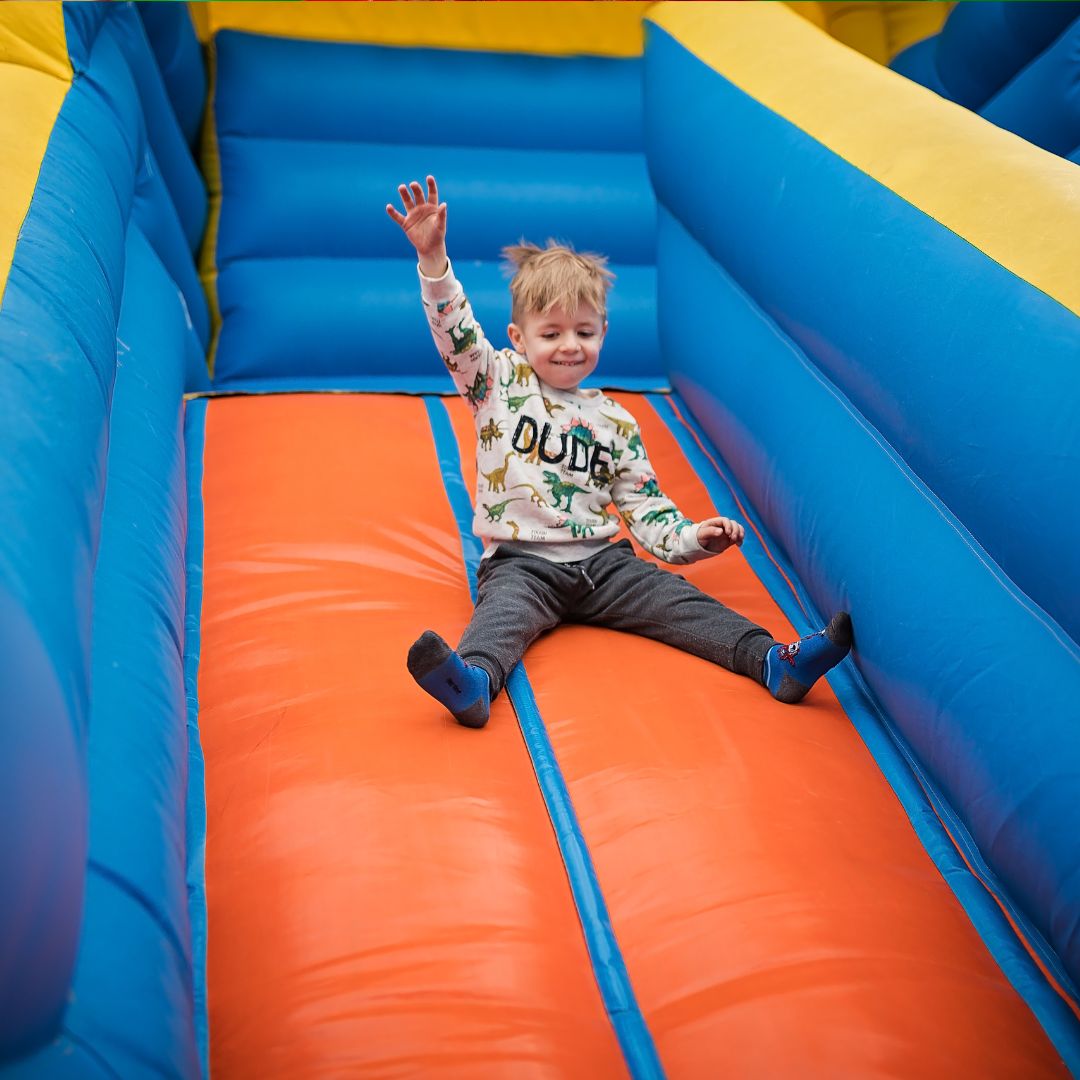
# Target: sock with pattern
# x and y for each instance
(464, 689)
(790, 670)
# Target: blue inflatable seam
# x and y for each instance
(91, 1052)
(38, 295)
(261, 136)
(612, 978)
(139, 897)
(393, 384)
(194, 442)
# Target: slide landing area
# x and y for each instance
(385, 892)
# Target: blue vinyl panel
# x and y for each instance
(982, 46)
(918, 62)
(178, 168)
(155, 214)
(328, 91)
(179, 58)
(328, 199)
(1042, 103)
(132, 988)
(362, 317)
(43, 835)
(82, 23)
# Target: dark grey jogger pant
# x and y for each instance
(520, 596)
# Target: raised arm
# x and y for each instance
(468, 355)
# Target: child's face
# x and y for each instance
(561, 348)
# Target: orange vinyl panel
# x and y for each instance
(384, 890)
(777, 914)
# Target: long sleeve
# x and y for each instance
(468, 355)
(653, 518)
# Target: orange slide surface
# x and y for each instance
(385, 894)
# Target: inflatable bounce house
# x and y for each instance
(238, 840)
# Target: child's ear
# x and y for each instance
(517, 338)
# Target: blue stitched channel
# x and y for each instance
(901, 769)
(194, 438)
(634, 1037)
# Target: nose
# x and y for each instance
(570, 343)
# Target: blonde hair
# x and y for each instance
(556, 276)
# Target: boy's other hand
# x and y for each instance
(719, 533)
(424, 223)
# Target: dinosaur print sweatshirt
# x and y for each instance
(550, 462)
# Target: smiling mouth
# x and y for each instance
(568, 363)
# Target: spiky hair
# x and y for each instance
(555, 276)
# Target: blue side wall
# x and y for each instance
(315, 137)
(57, 349)
(975, 390)
(96, 346)
(814, 372)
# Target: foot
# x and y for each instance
(464, 690)
(790, 670)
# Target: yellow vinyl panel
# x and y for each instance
(32, 36)
(554, 28)
(877, 30)
(1015, 202)
(35, 74)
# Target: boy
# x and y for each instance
(551, 457)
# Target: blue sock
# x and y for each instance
(790, 670)
(464, 689)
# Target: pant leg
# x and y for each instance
(518, 598)
(636, 596)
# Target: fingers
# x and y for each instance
(731, 532)
(734, 531)
(712, 539)
(412, 196)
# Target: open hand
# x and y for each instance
(719, 533)
(424, 220)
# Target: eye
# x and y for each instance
(586, 333)
(550, 335)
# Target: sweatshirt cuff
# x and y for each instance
(691, 545)
(440, 288)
